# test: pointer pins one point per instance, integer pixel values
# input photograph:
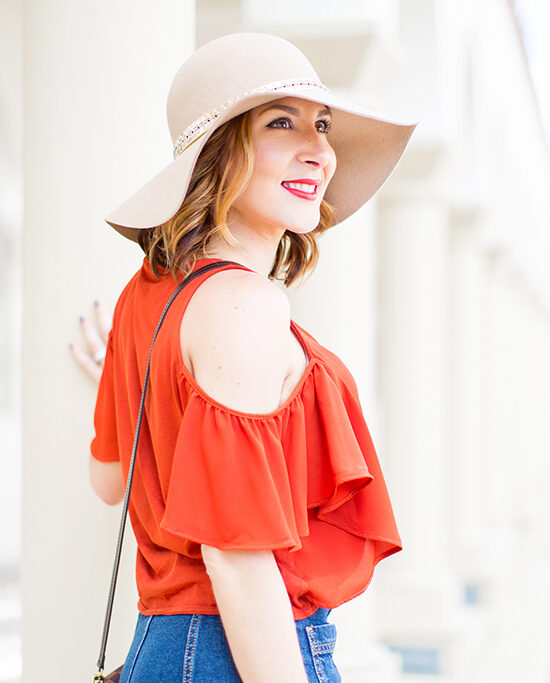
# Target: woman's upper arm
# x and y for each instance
(248, 560)
(238, 343)
(107, 480)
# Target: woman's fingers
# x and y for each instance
(95, 343)
(96, 338)
(103, 320)
(87, 363)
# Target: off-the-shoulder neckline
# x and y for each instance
(285, 405)
(241, 413)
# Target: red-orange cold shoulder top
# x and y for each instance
(303, 480)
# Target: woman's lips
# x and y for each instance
(303, 195)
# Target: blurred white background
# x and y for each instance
(447, 331)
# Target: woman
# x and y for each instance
(258, 503)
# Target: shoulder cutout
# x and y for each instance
(238, 340)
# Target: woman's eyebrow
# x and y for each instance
(293, 110)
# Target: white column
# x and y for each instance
(468, 337)
(11, 71)
(11, 192)
(514, 473)
(413, 277)
(96, 80)
(414, 243)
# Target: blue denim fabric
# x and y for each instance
(193, 648)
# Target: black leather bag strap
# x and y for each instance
(186, 281)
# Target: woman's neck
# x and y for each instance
(259, 261)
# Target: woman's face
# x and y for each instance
(291, 144)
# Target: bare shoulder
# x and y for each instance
(230, 292)
(234, 334)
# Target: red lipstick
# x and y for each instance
(300, 193)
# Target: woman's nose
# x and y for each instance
(316, 150)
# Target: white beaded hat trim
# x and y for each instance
(200, 126)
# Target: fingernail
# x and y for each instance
(81, 318)
(96, 303)
(70, 345)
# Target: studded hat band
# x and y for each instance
(200, 126)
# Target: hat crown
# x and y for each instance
(228, 67)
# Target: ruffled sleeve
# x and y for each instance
(104, 445)
(232, 485)
(245, 481)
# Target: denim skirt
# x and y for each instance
(193, 648)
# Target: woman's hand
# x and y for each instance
(92, 360)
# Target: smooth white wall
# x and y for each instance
(96, 80)
(11, 129)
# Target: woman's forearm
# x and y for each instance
(257, 617)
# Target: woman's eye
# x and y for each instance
(326, 123)
(279, 121)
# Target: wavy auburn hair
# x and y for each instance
(221, 174)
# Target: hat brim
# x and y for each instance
(367, 143)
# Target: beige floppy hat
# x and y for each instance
(239, 71)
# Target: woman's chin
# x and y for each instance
(305, 226)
